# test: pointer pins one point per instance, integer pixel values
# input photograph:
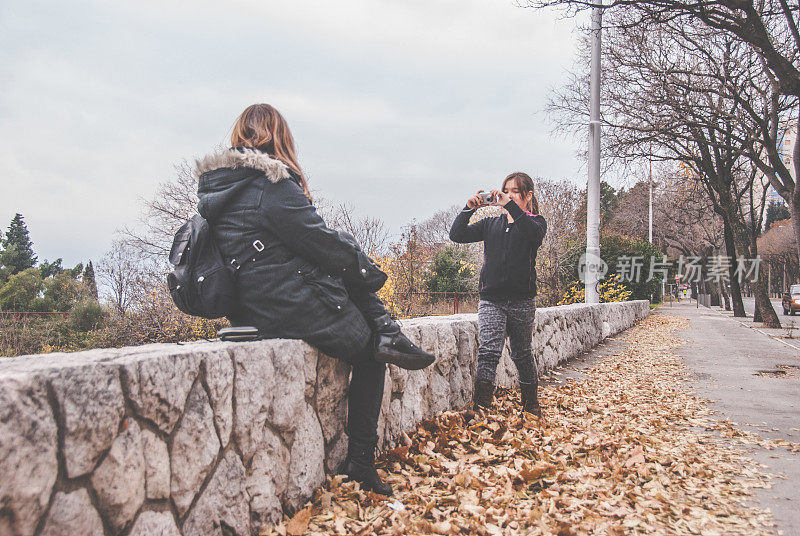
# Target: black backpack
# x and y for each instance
(202, 283)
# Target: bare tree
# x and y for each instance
(119, 273)
(370, 233)
(777, 247)
(770, 31)
(685, 220)
(409, 261)
(558, 203)
(174, 202)
(767, 26)
(674, 93)
(436, 229)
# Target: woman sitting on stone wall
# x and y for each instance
(305, 280)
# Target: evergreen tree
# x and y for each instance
(776, 211)
(76, 272)
(17, 253)
(51, 269)
(450, 271)
(89, 280)
(22, 292)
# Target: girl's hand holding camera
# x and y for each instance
(482, 199)
(500, 198)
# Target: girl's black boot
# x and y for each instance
(360, 466)
(483, 394)
(530, 398)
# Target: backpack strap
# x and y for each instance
(258, 245)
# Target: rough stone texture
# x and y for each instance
(28, 463)
(219, 377)
(310, 358)
(155, 524)
(336, 452)
(253, 390)
(91, 406)
(289, 391)
(156, 466)
(158, 386)
(119, 481)
(306, 469)
(223, 502)
(194, 449)
(279, 404)
(267, 478)
(72, 514)
(330, 399)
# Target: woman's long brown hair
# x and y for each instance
(262, 127)
(525, 184)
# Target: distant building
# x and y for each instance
(786, 144)
(786, 139)
(774, 197)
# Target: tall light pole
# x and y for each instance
(593, 261)
(650, 180)
(650, 227)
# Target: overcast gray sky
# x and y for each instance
(399, 107)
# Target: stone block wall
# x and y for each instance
(213, 438)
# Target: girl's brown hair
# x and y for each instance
(525, 184)
(262, 127)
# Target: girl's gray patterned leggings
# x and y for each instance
(496, 318)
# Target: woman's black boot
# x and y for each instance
(483, 394)
(360, 466)
(391, 346)
(530, 398)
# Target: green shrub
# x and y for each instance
(20, 291)
(450, 271)
(87, 315)
(613, 250)
(64, 291)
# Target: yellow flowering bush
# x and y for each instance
(387, 293)
(612, 289)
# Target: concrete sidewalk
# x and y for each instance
(752, 379)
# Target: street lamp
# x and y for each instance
(592, 260)
(650, 180)
(650, 222)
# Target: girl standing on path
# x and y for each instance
(301, 279)
(507, 284)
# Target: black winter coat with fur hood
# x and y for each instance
(295, 286)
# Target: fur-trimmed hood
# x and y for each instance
(243, 157)
(227, 174)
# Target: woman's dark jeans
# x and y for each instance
(350, 337)
(496, 318)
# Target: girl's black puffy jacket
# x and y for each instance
(509, 250)
(295, 286)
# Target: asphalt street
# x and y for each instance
(750, 306)
(752, 377)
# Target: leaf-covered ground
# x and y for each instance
(629, 450)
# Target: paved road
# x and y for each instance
(788, 334)
(750, 306)
(726, 357)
